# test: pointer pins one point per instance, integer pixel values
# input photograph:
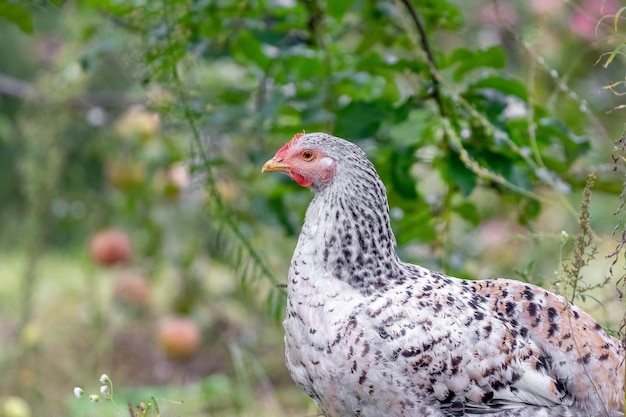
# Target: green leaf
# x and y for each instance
(507, 86)
(411, 130)
(530, 210)
(16, 14)
(574, 145)
(234, 95)
(440, 14)
(468, 212)
(277, 206)
(455, 173)
(509, 171)
(116, 8)
(401, 162)
(247, 48)
(302, 63)
(359, 119)
(468, 60)
(417, 223)
(337, 9)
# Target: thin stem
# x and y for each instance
(430, 57)
(315, 25)
(212, 189)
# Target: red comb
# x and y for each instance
(289, 144)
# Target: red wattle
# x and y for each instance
(300, 179)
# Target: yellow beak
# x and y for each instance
(275, 165)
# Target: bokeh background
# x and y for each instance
(138, 238)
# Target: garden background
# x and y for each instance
(138, 238)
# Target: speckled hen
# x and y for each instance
(369, 335)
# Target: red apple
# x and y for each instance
(109, 247)
(132, 288)
(179, 337)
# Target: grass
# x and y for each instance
(80, 330)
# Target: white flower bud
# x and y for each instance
(78, 392)
(105, 391)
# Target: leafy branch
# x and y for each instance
(468, 110)
(430, 57)
(224, 214)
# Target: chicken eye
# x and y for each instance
(307, 155)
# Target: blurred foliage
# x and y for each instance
(154, 116)
(265, 70)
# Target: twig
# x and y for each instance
(430, 57)
(212, 189)
(315, 26)
(314, 22)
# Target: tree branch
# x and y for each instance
(430, 58)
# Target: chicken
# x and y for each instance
(369, 335)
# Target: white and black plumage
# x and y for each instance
(369, 335)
